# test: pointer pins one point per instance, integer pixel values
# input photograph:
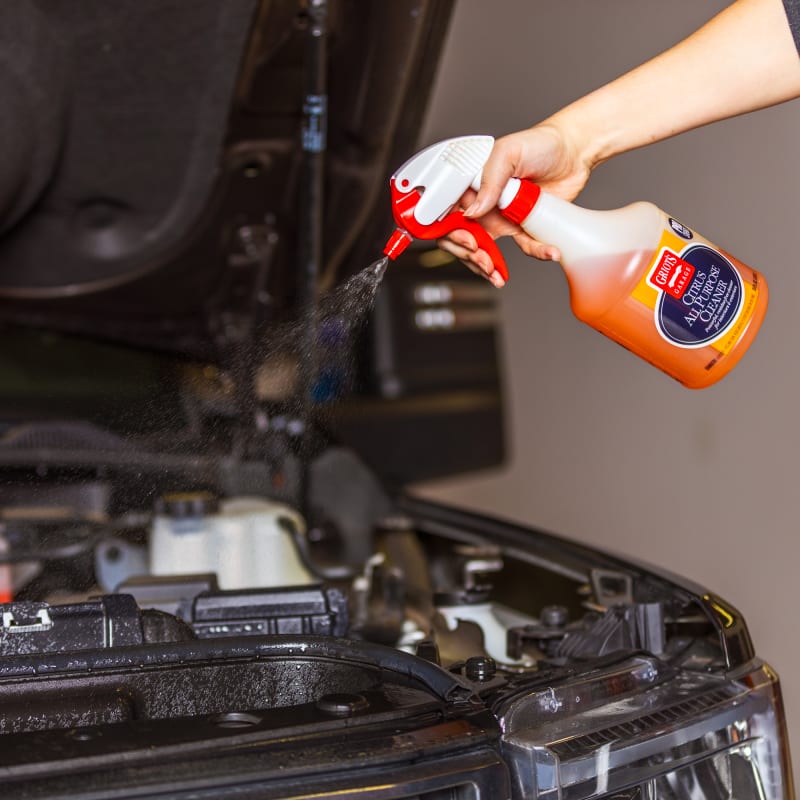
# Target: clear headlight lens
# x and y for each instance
(643, 730)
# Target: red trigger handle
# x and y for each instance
(403, 205)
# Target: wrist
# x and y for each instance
(589, 132)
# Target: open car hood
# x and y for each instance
(151, 176)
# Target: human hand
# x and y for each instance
(551, 155)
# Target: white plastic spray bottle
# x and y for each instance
(635, 274)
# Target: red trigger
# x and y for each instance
(457, 221)
(403, 205)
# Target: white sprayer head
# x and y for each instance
(444, 171)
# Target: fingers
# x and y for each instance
(463, 246)
(460, 244)
(535, 248)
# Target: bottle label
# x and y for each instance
(697, 295)
(701, 295)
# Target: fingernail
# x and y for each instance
(497, 280)
(472, 211)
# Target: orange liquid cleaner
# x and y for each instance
(649, 283)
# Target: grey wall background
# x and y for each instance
(604, 448)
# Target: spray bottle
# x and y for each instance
(635, 274)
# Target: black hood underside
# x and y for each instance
(151, 168)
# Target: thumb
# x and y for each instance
(496, 172)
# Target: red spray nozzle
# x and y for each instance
(397, 243)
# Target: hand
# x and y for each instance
(550, 155)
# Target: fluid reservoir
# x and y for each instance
(246, 541)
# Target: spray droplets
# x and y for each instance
(326, 361)
(341, 315)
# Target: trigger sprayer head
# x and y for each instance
(427, 187)
(426, 190)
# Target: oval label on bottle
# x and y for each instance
(680, 229)
(700, 295)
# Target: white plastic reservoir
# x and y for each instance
(245, 542)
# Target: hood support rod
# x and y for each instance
(310, 217)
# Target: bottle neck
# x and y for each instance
(572, 229)
(583, 233)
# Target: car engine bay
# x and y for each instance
(219, 643)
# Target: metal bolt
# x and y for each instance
(480, 668)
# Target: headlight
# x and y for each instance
(644, 730)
